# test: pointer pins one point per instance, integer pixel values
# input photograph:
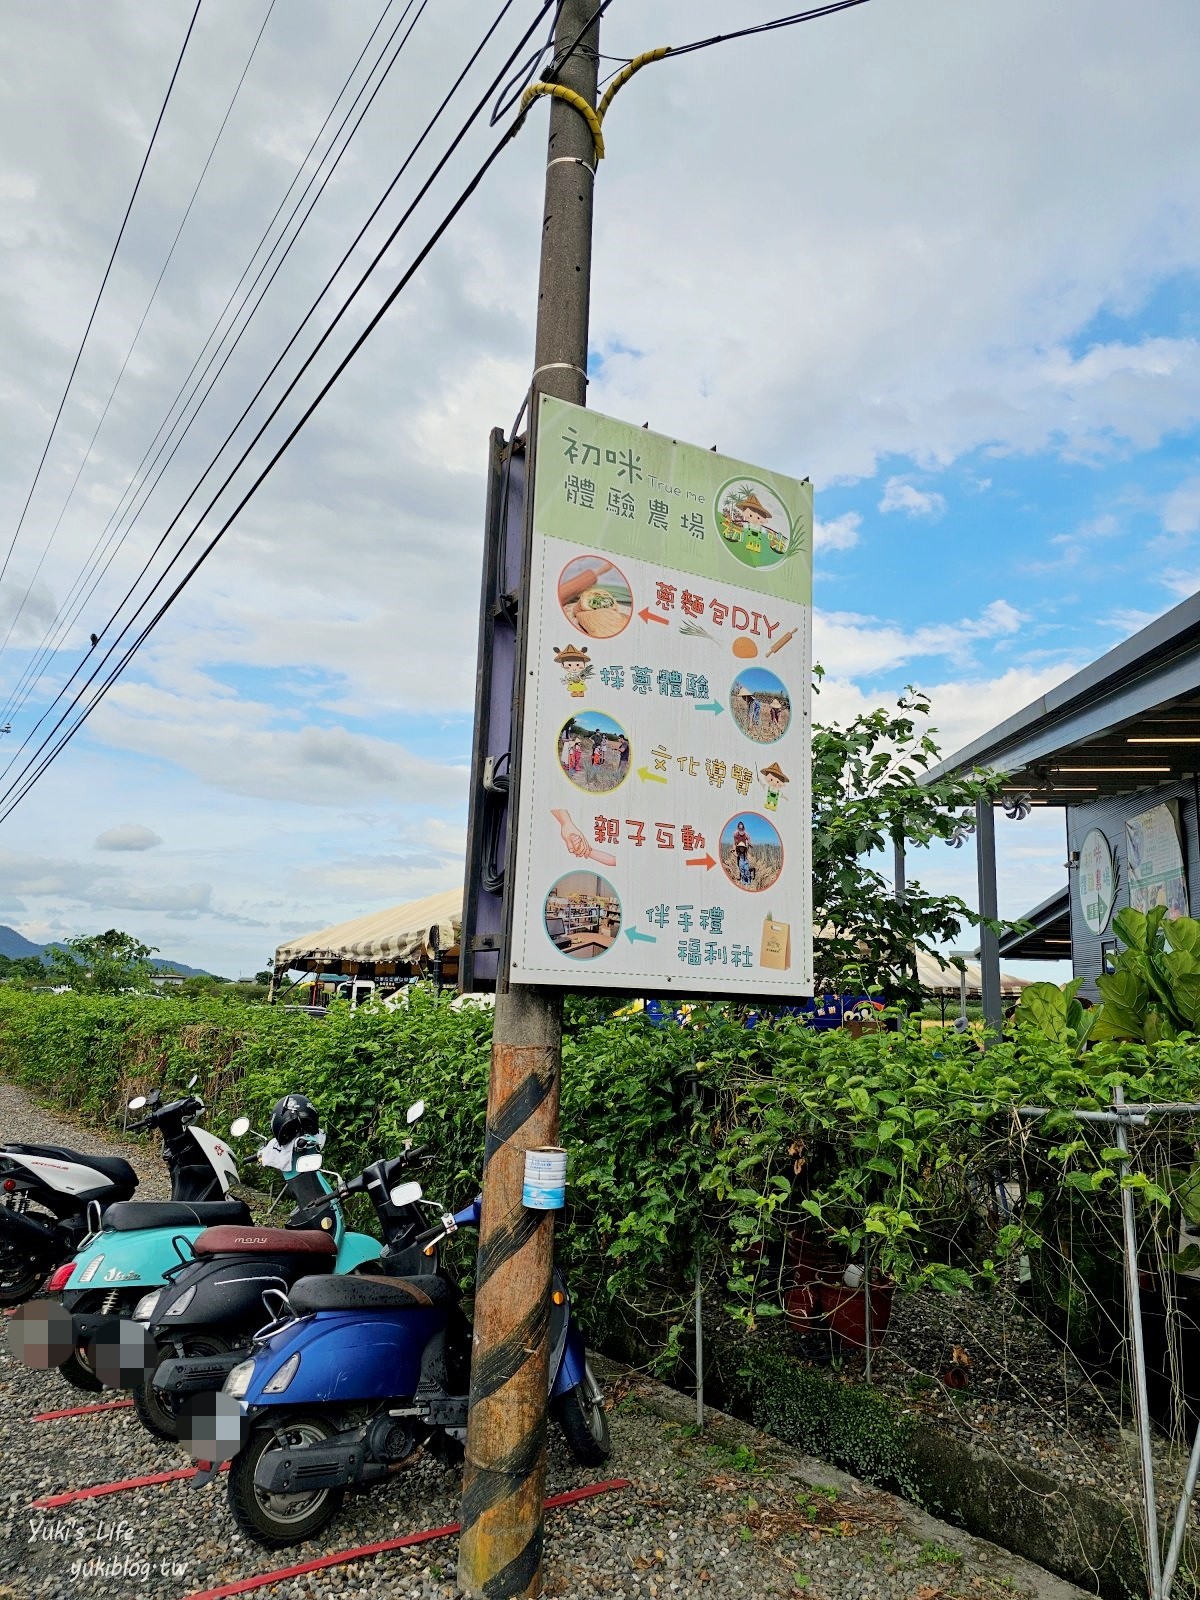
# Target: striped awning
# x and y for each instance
(402, 933)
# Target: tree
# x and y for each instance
(264, 977)
(866, 794)
(22, 969)
(102, 963)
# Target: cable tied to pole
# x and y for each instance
(592, 115)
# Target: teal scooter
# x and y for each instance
(139, 1244)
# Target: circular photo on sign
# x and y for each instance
(761, 705)
(751, 852)
(593, 751)
(1096, 881)
(595, 597)
(753, 523)
(582, 915)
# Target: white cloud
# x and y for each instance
(1181, 509)
(127, 836)
(1183, 583)
(839, 533)
(901, 495)
(847, 643)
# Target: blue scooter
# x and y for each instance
(346, 1392)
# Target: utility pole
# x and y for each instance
(500, 1553)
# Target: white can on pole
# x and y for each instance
(545, 1186)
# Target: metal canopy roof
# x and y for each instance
(1049, 939)
(1129, 721)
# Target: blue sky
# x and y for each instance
(948, 268)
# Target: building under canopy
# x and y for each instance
(1116, 748)
(417, 940)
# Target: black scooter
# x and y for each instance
(207, 1317)
(54, 1197)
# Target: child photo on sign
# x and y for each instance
(593, 752)
(751, 852)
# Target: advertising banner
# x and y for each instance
(664, 812)
(1156, 876)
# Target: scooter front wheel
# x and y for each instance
(158, 1413)
(279, 1520)
(584, 1422)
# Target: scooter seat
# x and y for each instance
(130, 1216)
(350, 1292)
(226, 1241)
(116, 1170)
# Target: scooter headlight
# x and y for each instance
(181, 1305)
(238, 1380)
(144, 1309)
(92, 1268)
(284, 1376)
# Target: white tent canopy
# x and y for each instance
(936, 979)
(408, 933)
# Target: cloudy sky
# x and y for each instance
(940, 256)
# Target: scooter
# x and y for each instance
(368, 1370)
(53, 1196)
(135, 1242)
(205, 1318)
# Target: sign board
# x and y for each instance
(1156, 876)
(664, 813)
(1096, 881)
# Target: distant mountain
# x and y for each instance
(14, 944)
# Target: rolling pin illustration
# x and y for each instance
(572, 588)
(779, 643)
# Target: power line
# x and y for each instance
(34, 767)
(282, 355)
(768, 27)
(138, 333)
(100, 293)
(34, 669)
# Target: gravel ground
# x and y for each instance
(723, 1515)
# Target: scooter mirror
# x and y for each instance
(311, 1162)
(193, 1080)
(406, 1194)
(415, 1112)
(138, 1101)
(238, 1127)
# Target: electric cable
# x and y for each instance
(768, 27)
(29, 774)
(104, 543)
(100, 292)
(279, 360)
(87, 455)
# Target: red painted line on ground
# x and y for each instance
(51, 1502)
(81, 1411)
(342, 1557)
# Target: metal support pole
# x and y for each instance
(989, 943)
(699, 1314)
(500, 1553)
(1141, 1404)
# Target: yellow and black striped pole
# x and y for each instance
(500, 1554)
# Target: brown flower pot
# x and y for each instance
(845, 1312)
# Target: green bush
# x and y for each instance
(712, 1139)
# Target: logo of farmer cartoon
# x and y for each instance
(577, 668)
(753, 523)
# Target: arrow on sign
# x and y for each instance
(646, 938)
(647, 776)
(714, 706)
(652, 616)
(703, 861)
